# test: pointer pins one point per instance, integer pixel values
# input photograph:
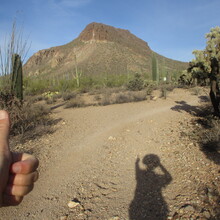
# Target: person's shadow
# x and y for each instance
(148, 202)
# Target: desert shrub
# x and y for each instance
(75, 103)
(123, 98)
(130, 97)
(97, 98)
(68, 95)
(8, 100)
(31, 117)
(34, 99)
(139, 96)
(34, 86)
(114, 81)
(149, 89)
(210, 136)
(136, 84)
(24, 117)
(170, 87)
(196, 90)
(207, 129)
(93, 92)
(106, 99)
(51, 97)
(165, 88)
(163, 92)
(111, 90)
(57, 95)
(89, 82)
(206, 132)
(50, 101)
(84, 90)
(64, 85)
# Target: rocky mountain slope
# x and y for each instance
(100, 49)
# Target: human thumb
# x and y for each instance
(5, 155)
(4, 131)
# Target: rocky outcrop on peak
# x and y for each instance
(105, 33)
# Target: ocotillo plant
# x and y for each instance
(77, 73)
(17, 77)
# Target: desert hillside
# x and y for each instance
(101, 50)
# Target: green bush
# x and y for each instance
(136, 84)
(149, 86)
(33, 86)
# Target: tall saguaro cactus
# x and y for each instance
(155, 72)
(17, 77)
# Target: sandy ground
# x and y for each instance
(123, 161)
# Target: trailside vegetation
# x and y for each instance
(205, 66)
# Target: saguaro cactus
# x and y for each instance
(17, 77)
(155, 72)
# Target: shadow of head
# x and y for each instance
(151, 161)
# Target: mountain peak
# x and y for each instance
(98, 32)
(101, 32)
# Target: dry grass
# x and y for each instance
(75, 103)
(122, 97)
(69, 95)
(206, 130)
(26, 118)
(210, 135)
(196, 91)
(106, 99)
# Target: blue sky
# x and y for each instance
(173, 28)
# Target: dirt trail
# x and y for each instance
(92, 157)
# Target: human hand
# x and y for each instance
(23, 174)
(17, 170)
(137, 158)
(5, 155)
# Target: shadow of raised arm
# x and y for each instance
(167, 178)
